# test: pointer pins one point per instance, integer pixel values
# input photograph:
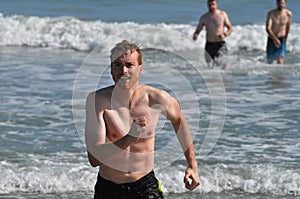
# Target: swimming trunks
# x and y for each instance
(145, 188)
(215, 50)
(273, 52)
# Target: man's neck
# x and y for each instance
(121, 97)
(213, 11)
(280, 9)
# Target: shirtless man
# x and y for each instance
(278, 27)
(120, 131)
(214, 21)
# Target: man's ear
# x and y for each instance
(141, 68)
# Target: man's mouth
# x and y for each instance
(124, 78)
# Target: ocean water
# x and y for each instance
(244, 120)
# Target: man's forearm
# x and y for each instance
(270, 33)
(190, 157)
(186, 142)
(107, 152)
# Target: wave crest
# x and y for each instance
(73, 33)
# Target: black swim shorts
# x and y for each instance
(145, 188)
(215, 50)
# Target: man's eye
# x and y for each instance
(117, 65)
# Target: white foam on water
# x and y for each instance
(73, 33)
(252, 179)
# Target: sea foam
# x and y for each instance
(73, 33)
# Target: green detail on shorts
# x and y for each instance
(160, 187)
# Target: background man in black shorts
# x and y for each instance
(214, 21)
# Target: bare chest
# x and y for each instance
(214, 21)
(280, 19)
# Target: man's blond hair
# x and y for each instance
(122, 48)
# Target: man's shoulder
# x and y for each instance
(145, 88)
(101, 93)
(156, 94)
(222, 11)
(100, 99)
(205, 15)
(288, 12)
(150, 90)
(104, 90)
(272, 12)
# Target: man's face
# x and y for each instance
(212, 6)
(125, 70)
(281, 4)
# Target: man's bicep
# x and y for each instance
(290, 17)
(94, 125)
(94, 136)
(269, 24)
(200, 25)
(269, 19)
(171, 108)
(227, 22)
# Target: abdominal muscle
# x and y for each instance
(129, 166)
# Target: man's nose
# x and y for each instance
(125, 69)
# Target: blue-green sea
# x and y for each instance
(244, 120)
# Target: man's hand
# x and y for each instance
(191, 179)
(222, 36)
(195, 36)
(138, 128)
(277, 42)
